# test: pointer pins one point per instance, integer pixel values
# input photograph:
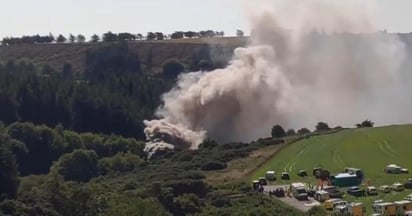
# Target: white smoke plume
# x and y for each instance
(307, 61)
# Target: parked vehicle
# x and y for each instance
(345, 180)
(356, 171)
(285, 176)
(262, 181)
(279, 192)
(330, 204)
(333, 192)
(393, 169)
(270, 176)
(311, 192)
(302, 173)
(385, 188)
(409, 197)
(321, 196)
(322, 174)
(403, 205)
(316, 170)
(408, 184)
(404, 170)
(397, 186)
(299, 191)
(255, 184)
(371, 190)
(384, 208)
(356, 191)
(354, 209)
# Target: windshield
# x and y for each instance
(301, 191)
(330, 189)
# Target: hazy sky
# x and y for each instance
(28, 17)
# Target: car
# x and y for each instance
(302, 173)
(285, 176)
(371, 190)
(355, 191)
(408, 184)
(263, 181)
(270, 175)
(409, 197)
(333, 192)
(397, 186)
(385, 189)
(279, 192)
(404, 170)
(311, 192)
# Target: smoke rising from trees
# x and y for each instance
(307, 61)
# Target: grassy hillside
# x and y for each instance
(370, 149)
(151, 53)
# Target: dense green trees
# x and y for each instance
(61, 39)
(106, 174)
(80, 165)
(9, 181)
(81, 38)
(366, 123)
(322, 126)
(303, 131)
(278, 131)
(111, 96)
(172, 68)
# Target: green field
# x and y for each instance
(369, 149)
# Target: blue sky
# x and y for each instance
(27, 17)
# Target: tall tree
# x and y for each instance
(72, 38)
(9, 181)
(322, 126)
(278, 131)
(110, 37)
(159, 36)
(150, 36)
(95, 38)
(61, 39)
(81, 38)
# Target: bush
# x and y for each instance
(172, 68)
(278, 131)
(366, 123)
(303, 131)
(80, 165)
(121, 162)
(213, 166)
(290, 132)
(322, 126)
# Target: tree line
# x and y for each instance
(69, 173)
(112, 37)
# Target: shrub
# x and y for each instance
(213, 166)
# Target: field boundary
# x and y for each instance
(283, 146)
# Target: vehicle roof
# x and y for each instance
(333, 200)
(321, 192)
(384, 204)
(345, 175)
(298, 184)
(397, 183)
(372, 187)
(402, 202)
(270, 172)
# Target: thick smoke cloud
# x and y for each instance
(307, 61)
